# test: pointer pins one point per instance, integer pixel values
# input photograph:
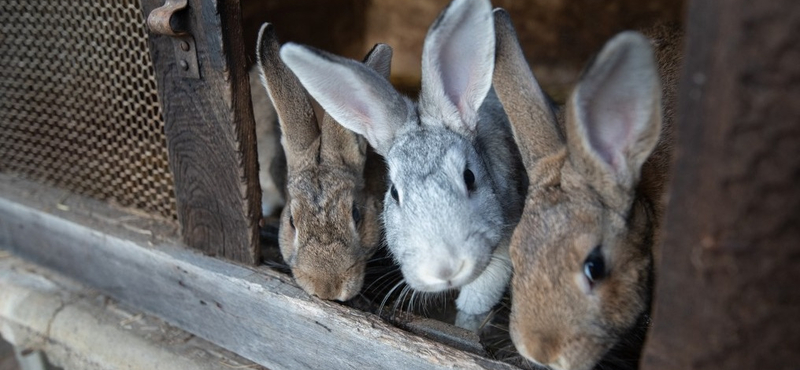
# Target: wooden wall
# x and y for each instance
(558, 36)
(726, 294)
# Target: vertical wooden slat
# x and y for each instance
(210, 133)
(727, 295)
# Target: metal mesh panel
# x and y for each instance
(78, 101)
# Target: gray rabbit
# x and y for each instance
(457, 180)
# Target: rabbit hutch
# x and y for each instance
(129, 166)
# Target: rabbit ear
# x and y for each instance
(341, 144)
(296, 116)
(614, 114)
(353, 94)
(457, 63)
(380, 59)
(529, 110)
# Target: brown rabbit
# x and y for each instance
(582, 252)
(330, 225)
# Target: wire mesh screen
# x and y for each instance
(78, 101)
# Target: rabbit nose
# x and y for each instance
(449, 273)
(350, 287)
(445, 273)
(434, 277)
(328, 291)
(339, 290)
(541, 349)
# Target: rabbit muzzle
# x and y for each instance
(441, 275)
(331, 285)
(437, 267)
(554, 349)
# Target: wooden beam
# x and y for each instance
(254, 312)
(210, 132)
(729, 264)
(56, 323)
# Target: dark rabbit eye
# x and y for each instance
(396, 197)
(356, 215)
(595, 266)
(469, 179)
(291, 221)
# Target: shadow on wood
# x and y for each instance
(729, 263)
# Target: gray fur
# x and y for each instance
(443, 236)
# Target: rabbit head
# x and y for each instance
(330, 225)
(582, 249)
(445, 211)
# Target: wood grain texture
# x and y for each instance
(211, 134)
(726, 295)
(254, 312)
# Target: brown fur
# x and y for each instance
(575, 204)
(330, 172)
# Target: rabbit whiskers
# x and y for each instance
(383, 303)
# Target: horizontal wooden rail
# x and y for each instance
(254, 312)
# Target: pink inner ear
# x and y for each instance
(461, 78)
(358, 106)
(610, 125)
(616, 100)
(458, 60)
(455, 75)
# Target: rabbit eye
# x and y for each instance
(595, 266)
(356, 215)
(396, 197)
(291, 221)
(469, 179)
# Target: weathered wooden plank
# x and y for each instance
(72, 326)
(210, 132)
(254, 312)
(726, 295)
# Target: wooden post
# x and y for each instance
(729, 264)
(210, 132)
